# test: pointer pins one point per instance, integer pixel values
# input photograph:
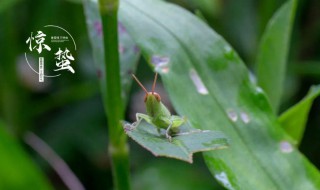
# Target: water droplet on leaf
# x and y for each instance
(252, 78)
(245, 117)
(229, 53)
(223, 178)
(233, 116)
(286, 147)
(201, 88)
(259, 90)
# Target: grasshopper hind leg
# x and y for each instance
(174, 127)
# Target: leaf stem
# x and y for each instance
(113, 104)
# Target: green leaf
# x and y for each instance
(273, 52)
(209, 84)
(183, 145)
(7, 4)
(172, 175)
(18, 172)
(294, 120)
(129, 52)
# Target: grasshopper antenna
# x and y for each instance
(154, 83)
(143, 88)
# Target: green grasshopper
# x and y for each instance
(157, 113)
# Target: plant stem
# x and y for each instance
(113, 104)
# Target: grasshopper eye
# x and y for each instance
(157, 97)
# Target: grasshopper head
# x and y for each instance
(150, 96)
(153, 103)
(154, 107)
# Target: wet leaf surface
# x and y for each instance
(209, 84)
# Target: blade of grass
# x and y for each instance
(273, 51)
(294, 120)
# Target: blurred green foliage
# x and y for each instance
(67, 112)
(17, 170)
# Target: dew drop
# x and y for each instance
(227, 49)
(233, 116)
(252, 78)
(223, 178)
(259, 90)
(245, 117)
(201, 88)
(161, 63)
(228, 52)
(286, 147)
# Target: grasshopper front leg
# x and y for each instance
(140, 116)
